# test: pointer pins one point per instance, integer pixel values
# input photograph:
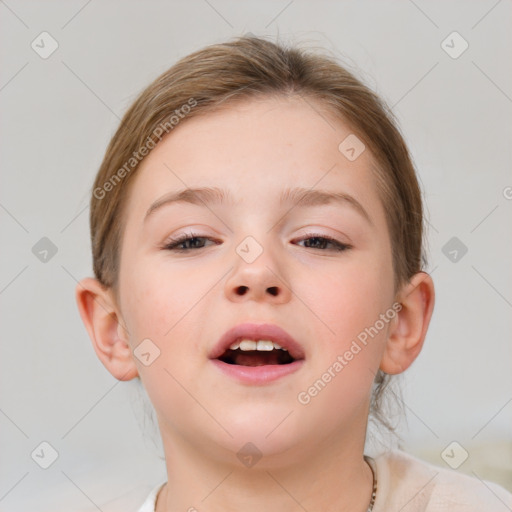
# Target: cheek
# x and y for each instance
(348, 303)
(347, 298)
(159, 294)
(168, 303)
(350, 338)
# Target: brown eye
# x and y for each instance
(320, 242)
(186, 243)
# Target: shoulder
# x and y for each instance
(404, 480)
(150, 501)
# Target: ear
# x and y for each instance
(409, 328)
(103, 322)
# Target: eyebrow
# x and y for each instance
(302, 197)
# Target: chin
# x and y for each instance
(270, 430)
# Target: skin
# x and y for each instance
(312, 454)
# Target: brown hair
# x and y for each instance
(248, 67)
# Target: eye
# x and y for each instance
(320, 242)
(191, 241)
(185, 243)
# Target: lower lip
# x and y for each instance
(257, 375)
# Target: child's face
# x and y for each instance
(324, 298)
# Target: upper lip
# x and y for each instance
(257, 332)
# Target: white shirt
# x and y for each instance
(407, 483)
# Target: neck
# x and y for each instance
(332, 476)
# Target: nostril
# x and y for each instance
(242, 289)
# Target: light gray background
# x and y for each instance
(58, 115)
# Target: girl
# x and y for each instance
(256, 230)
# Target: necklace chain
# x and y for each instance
(373, 467)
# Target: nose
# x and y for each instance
(260, 280)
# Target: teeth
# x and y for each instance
(265, 345)
(248, 345)
(260, 345)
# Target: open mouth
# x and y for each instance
(256, 353)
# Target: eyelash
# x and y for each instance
(173, 243)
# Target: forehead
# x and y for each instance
(257, 148)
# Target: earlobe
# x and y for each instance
(407, 333)
(103, 323)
